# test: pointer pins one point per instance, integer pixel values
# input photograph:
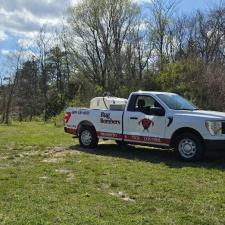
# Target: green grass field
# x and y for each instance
(46, 178)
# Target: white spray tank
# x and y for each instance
(110, 103)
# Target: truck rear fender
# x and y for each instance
(85, 123)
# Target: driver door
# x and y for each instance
(140, 125)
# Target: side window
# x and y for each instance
(142, 103)
(145, 103)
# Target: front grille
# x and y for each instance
(223, 128)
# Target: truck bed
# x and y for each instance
(108, 123)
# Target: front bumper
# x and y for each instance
(215, 145)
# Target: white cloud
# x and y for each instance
(25, 17)
(5, 52)
(39, 8)
(3, 35)
(14, 54)
(21, 20)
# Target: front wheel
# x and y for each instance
(189, 147)
(88, 137)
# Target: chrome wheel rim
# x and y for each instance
(187, 148)
(86, 137)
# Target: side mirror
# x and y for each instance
(157, 111)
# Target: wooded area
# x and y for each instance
(118, 46)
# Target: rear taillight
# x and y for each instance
(67, 117)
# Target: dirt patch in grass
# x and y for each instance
(4, 166)
(122, 196)
(44, 178)
(3, 157)
(30, 153)
(58, 154)
(52, 160)
(60, 151)
(69, 174)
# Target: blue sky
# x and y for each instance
(20, 20)
(187, 6)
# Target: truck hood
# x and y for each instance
(202, 114)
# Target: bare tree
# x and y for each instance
(14, 62)
(139, 49)
(43, 45)
(161, 18)
(100, 30)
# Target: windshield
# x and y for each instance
(176, 102)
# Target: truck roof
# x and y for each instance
(153, 92)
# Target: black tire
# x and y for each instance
(189, 147)
(88, 137)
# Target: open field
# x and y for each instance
(46, 178)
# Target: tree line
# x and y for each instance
(118, 46)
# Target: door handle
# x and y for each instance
(133, 118)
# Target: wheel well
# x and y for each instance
(84, 123)
(185, 130)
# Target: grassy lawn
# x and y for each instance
(46, 178)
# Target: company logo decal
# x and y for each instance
(106, 118)
(81, 112)
(146, 123)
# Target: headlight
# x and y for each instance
(214, 127)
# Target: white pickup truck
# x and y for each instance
(149, 118)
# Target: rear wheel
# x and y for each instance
(189, 147)
(88, 137)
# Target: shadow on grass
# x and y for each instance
(214, 160)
